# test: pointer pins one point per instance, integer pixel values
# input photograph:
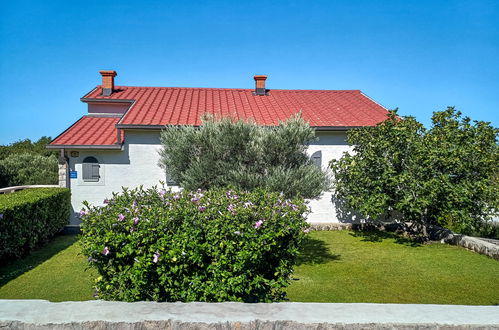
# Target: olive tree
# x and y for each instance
(446, 175)
(225, 152)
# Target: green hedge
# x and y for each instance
(29, 217)
(214, 245)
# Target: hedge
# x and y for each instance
(28, 218)
(217, 245)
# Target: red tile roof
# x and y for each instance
(89, 131)
(159, 106)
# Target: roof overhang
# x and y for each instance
(88, 100)
(335, 128)
(74, 146)
(160, 127)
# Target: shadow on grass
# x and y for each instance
(16, 268)
(314, 251)
(379, 236)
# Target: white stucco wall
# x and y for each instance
(332, 145)
(136, 165)
(131, 167)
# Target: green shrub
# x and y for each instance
(227, 152)
(446, 175)
(28, 169)
(29, 217)
(216, 245)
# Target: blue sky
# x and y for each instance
(419, 56)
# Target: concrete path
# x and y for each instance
(41, 314)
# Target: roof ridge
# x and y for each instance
(235, 89)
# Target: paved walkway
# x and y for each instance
(119, 315)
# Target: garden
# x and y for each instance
(238, 230)
(333, 266)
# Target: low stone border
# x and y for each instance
(474, 244)
(41, 314)
(330, 226)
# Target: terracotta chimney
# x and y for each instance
(260, 84)
(108, 81)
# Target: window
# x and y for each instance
(317, 158)
(91, 169)
(169, 180)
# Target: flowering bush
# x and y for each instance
(213, 245)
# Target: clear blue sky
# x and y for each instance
(419, 56)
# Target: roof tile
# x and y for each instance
(185, 106)
(90, 130)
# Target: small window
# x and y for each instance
(317, 158)
(169, 180)
(91, 169)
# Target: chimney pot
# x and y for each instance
(260, 84)
(108, 81)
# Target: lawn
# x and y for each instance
(56, 272)
(335, 266)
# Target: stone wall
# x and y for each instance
(40, 314)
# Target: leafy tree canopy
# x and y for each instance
(27, 146)
(226, 152)
(27, 162)
(446, 175)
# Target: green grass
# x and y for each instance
(335, 266)
(55, 272)
(341, 266)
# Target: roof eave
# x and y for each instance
(140, 126)
(159, 127)
(335, 128)
(85, 146)
(88, 100)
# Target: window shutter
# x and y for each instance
(169, 180)
(87, 171)
(90, 169)
(317, 158)
(95, 172)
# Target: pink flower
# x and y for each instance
(306, 231)
(162, 193)
(105, 251)
(156, 257)
(121, 217)
(201, 208)
(248, 204)
(258, 224)
(176, 196)
(237, 232)
(83, 213)
(135, 220)
(232, 208)
(194, 199)
(106, 201)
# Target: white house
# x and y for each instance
(116, 144)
